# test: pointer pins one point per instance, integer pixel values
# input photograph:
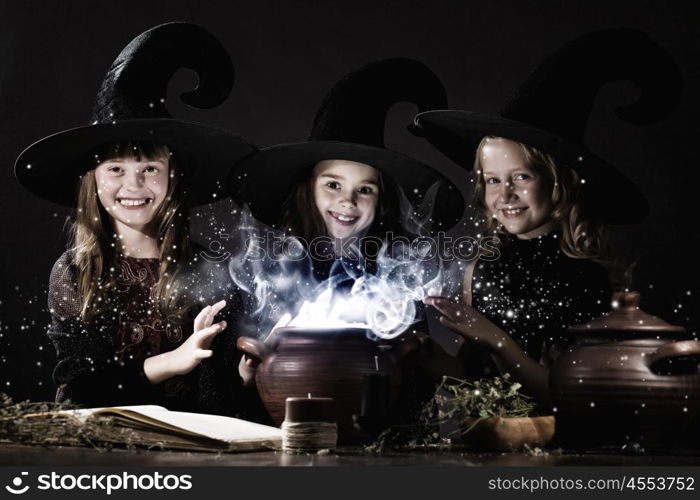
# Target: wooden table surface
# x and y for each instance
(12, 454)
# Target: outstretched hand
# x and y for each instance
(185, 358)
(196, 347)
(472, 325)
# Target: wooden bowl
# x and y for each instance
(507, 434)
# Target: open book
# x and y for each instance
(156, 426)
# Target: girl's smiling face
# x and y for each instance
(132, 190)
(346, 194)
(516, 194)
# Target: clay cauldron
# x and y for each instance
(630, 381)
(296, 362)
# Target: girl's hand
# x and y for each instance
(509, 357)
(246, 370)
(469, 323)
(185, 358)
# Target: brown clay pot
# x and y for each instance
(629, 378)
(296, 362)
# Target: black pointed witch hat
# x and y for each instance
(130, 106)
(349, 125)
(550, 111)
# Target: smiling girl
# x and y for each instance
(343, 184)
(549, 200)
(341, 202)
(513, 189)
(345, 195)
(125, 297)
(342, 187)
(132, 187)
(127, 209)
(552, 271)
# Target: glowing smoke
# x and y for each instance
(275, 271)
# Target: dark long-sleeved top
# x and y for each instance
(534, 292)
(100, 362)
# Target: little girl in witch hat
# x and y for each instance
(284, 185)
(549, 200)
(343, 183)
(125, 319)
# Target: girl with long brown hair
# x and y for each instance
(126, 297)
(340, 193)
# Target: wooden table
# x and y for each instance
(18, 455)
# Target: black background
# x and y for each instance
(287, 54)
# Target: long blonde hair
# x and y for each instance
(94, 243)
(582, 238)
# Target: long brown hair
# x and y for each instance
(94, 243)
(582, 237)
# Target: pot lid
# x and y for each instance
(626, 316)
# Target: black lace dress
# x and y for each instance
(100, 363)
(534, 292)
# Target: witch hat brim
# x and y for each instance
(551, 108)
(350, 125)
(457, 134)
(298, 159)
(130, 106)
(209, 152)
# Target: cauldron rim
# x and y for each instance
(316, 334)
(318, 330)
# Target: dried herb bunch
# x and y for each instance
(492, 397)
(41, 423)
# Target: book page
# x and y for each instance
(83, 414)
(194, 424)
